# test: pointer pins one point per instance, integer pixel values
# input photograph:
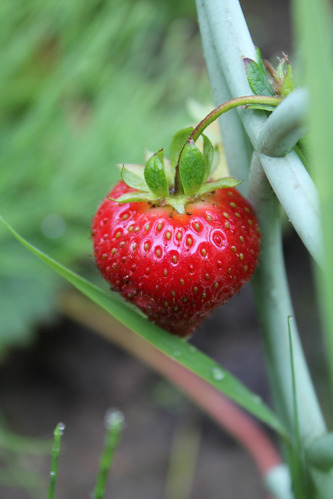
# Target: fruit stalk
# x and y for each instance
(216, 113)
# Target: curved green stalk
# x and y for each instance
(298, 195)
(231, 104)
(214, 115)
(274, 306)
(286, 126)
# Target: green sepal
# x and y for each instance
(208, 154)
(177, 143)
(287, 83)
(192, 169)
(216, 161)
(178, 203)
(134, 196)
(169, 173)
(225, 182)
(257, 77)
(155, 176)
(133, 176)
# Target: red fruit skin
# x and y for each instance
(177, 268)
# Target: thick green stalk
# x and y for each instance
(232, 41)
(285, 127)
(312, 23)
(298, 195)
(274, 306)
(237, 147)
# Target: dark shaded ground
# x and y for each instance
(74, 376)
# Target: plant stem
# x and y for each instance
(231, 104)
(114, 426)
(236, 144)
(274, 306)
(285, 127)
(58, 431)
(216, 113)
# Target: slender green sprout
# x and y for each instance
(300, 485)
(58, 432)
(114, 425)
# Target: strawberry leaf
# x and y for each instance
(256, 75)
(225, 182)
(192, 168)
(155, 175)
(133, 176)
(177, 143)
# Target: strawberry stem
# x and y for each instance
(213, 115)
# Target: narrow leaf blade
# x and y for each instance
(181, 352)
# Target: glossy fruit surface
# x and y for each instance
(177, 268)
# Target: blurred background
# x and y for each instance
(86, 85)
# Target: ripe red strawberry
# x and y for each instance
(176, 267)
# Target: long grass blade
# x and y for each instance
(178, 350)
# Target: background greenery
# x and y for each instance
(85, 85)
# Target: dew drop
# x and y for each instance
(218, 374)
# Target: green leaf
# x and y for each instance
(208, 154)
(192, 168)
(181, 352)
(177, 143)
(225, 182)
(257, 78)
(133, 176)
(155, 175)
(133, 197)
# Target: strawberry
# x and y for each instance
(175, 256)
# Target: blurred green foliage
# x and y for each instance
(84, 85)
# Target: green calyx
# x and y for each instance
(183, 179)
